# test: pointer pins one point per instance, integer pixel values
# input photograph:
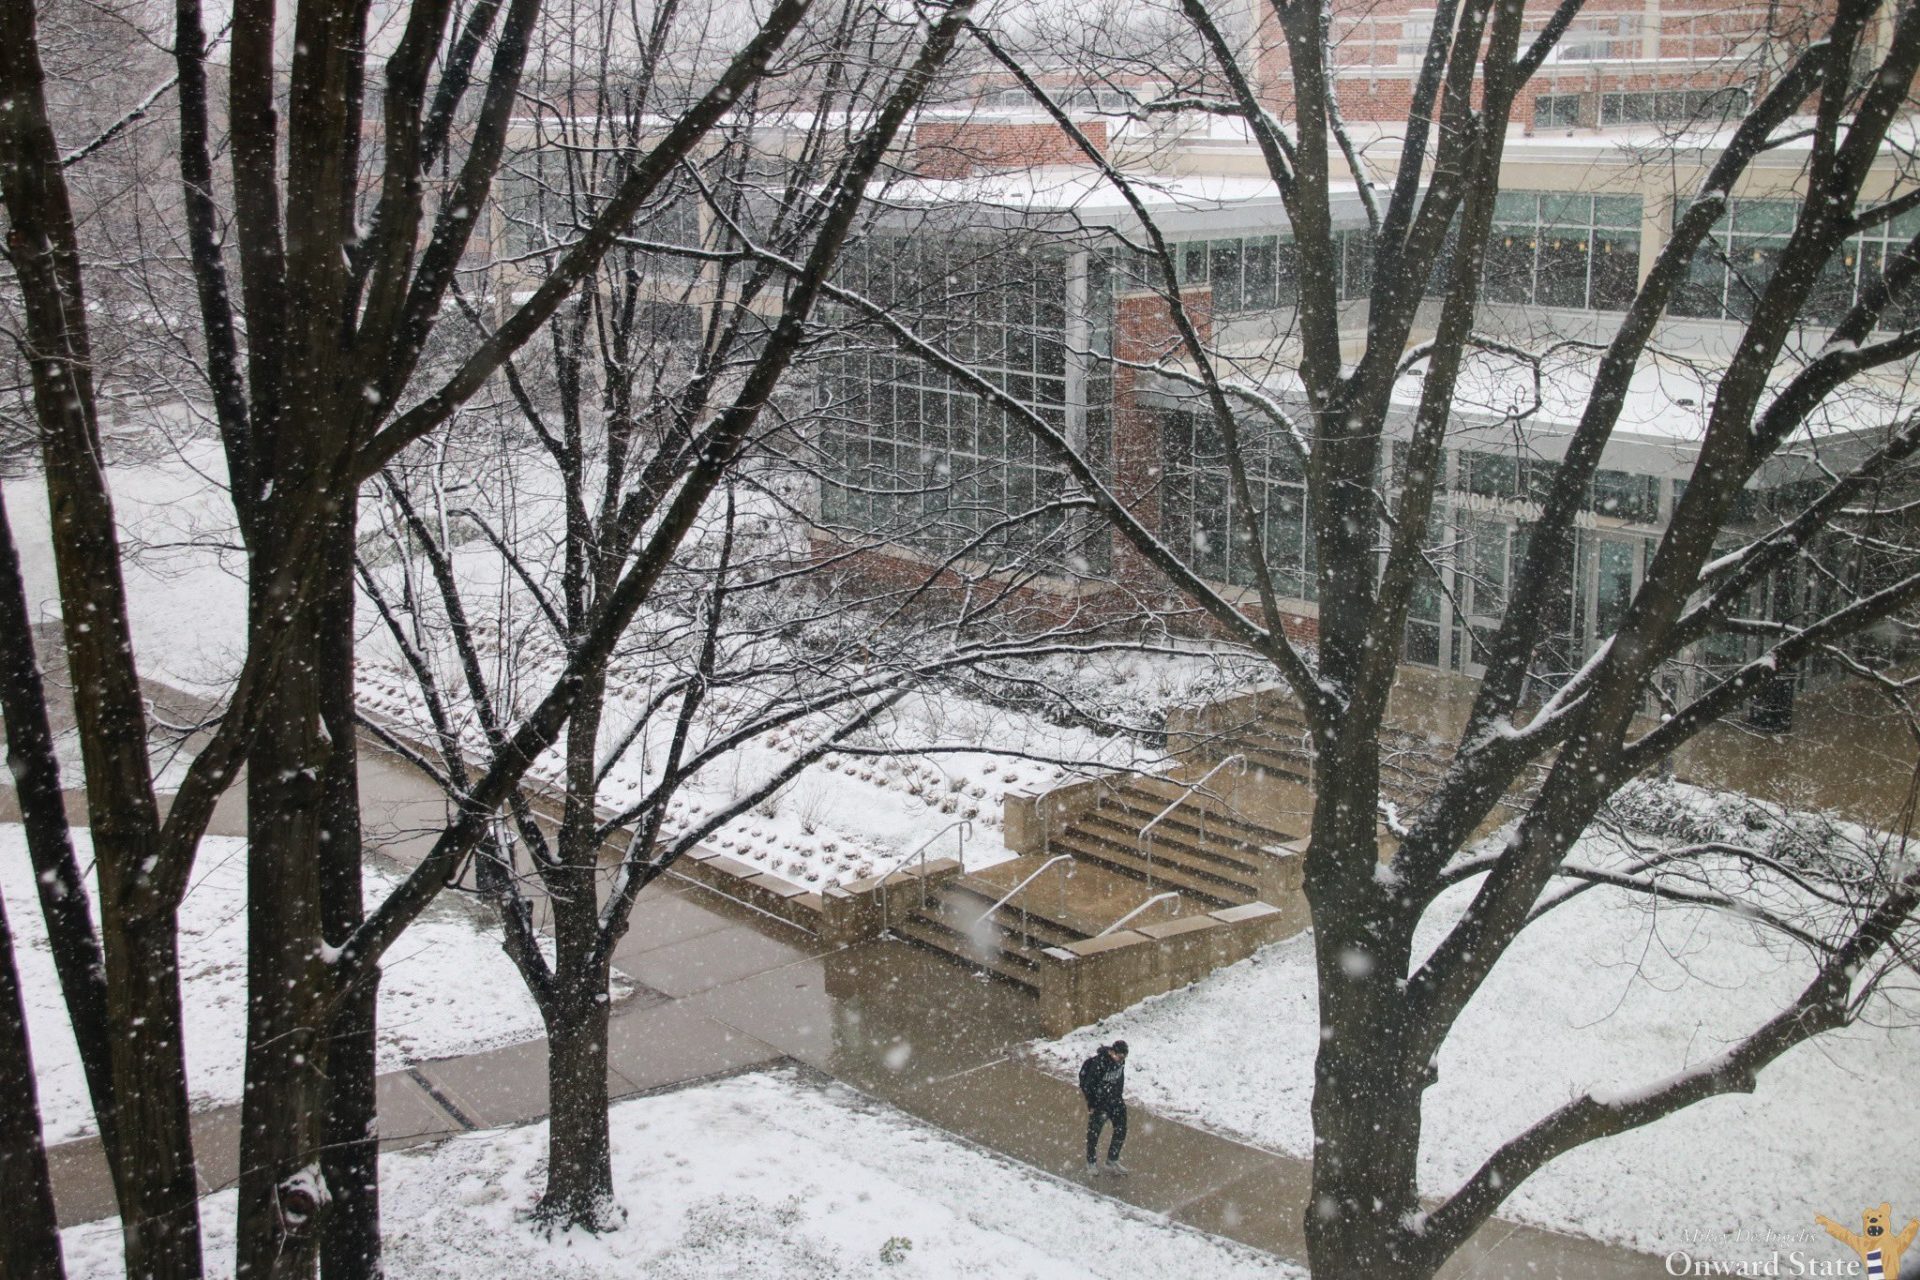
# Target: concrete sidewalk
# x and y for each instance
(721, 988)
(724, 990)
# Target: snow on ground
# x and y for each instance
(1604, 993)
(846, 816)
(184, 569)
(446, 987)
(767, 1175)
(911, 777)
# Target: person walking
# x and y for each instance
(1103, 1082)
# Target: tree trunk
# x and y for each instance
(350, 1231)
(1366, 1125)
(159, 1191)
(283, 1112)
(579, 1150)
(307, 1143)
(153, 1170)
(1366, 1090)
(61, 884)
(30, 1239)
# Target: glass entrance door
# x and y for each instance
(1482, 566)
(1616, 574)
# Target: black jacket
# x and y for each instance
(1103, 1079)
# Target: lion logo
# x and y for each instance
(1879, 1252)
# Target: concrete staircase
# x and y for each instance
(1267, 730)
(1200, 858)
(1202, 847)
(1069, 903)
(1202, 865)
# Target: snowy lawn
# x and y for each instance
(846, 817)
(181, 556)
(763, 1175)
(1604, 993)
(447, 988)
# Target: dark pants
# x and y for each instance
(1097, 1116)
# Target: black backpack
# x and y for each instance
(1090, 1076)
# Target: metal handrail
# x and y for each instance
(1025, 934)
(966, 829)
(1158, 897)
(1146, 845)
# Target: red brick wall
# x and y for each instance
(1143, 331)
(1375, 83)
(977, 146)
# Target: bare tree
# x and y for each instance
(31, 1245)
(756, 630)
(346, 253)
(1565, 730)
(560, 482)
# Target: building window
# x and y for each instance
(540, 196)
(1200, 517)
(1624, 496)
(1193, 262)
(1223, 268)
(1491, 475)
(1262, 273)
(1599, 38)
(1508, 477)
(1556, 111)
(1416, 33)
(531, 200)
(909, 454)
(1356, 263)
(1554, 249)
(1736, 261)
(1673, 106)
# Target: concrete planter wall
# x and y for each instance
(761, 890)
(862, 910)
(1089, 980)
(1031, 820)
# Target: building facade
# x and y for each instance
(1583, 215)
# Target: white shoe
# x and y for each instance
(1093, 1170)
(1117, 1169)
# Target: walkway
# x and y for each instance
(722, 989)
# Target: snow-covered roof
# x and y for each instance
(1182, 205)
(1668, 400)
(1635, 144)
(1500, 404)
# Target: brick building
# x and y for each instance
(1006, 247)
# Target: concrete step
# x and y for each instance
(1274, 764)
(959, 906)
(1150, 796)
(1410, 766)
(1204, 873)
(1229, 857)
(1214, 828)
(1217, 890)
(938, 938)
(1085, 902)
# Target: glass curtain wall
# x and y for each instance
(1732, 267)
(1199, 516)
(1262, 273)
(908, 453)
(1555, 249)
